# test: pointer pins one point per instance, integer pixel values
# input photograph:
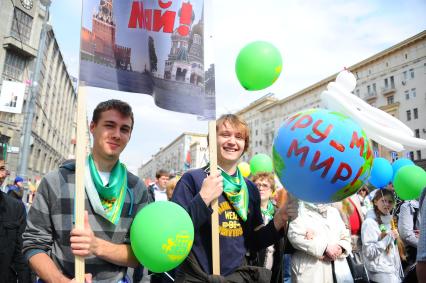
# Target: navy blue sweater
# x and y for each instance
(235, 236)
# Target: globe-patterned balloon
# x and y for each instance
(321, 156)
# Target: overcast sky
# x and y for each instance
(316, 39)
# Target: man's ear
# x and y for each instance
(92, 127)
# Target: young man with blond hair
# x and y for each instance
(240, 219)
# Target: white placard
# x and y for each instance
(12, 96)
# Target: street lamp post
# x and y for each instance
(32, 96)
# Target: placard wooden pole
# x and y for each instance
(215, 207)
(79, 175)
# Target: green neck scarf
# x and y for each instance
(235, 189)
(269, 211)
(112, 195)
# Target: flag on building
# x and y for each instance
(150, 47)
(187, 163)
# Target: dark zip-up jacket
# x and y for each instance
(12, 225)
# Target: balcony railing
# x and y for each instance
(388, 90)
(370, 95)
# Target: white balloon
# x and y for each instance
(334, 104)
(347, 80)
(371, 112)
(395, 146)
(377, 124)
(337, 102)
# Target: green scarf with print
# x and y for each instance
(112, 195)
(269, 211)
(235, 189)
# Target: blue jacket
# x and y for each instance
(232, 252)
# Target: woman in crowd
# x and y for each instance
(362, 196)
(379, 240)
(271, 257)
(321, 243)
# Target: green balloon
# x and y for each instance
(409, 182)
(261, 163)
(161, 236)
(258, 65)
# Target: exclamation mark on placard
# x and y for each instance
(185, 19)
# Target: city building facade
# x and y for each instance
(53, 129)
(189, 150)
(253, 117)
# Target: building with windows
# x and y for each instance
(53, 130)
(252, 114)
(393, 80)
(189, 150)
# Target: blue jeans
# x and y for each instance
(287, 268)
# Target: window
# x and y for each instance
(411, 155)
(419, 154)
(415, 113)
(14, 66)
(417, 133)
(392, 82)
(405, 75)
(256, 132)
(386, 83)
(408, 115)
(390, 99)
(413, 92)
(374, 88)
(21, 26)
(411, 73)
(368, 89)
(407, 95)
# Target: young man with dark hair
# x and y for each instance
(157, 190)
(112, 199)
(12, 225)
(240, 220)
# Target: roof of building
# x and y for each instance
(352, 68)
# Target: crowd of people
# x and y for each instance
(266, 235)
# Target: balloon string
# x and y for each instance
(171, 278)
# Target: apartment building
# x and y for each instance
(189, 150)
(53, 129)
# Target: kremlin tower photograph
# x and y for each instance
(148, 47)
